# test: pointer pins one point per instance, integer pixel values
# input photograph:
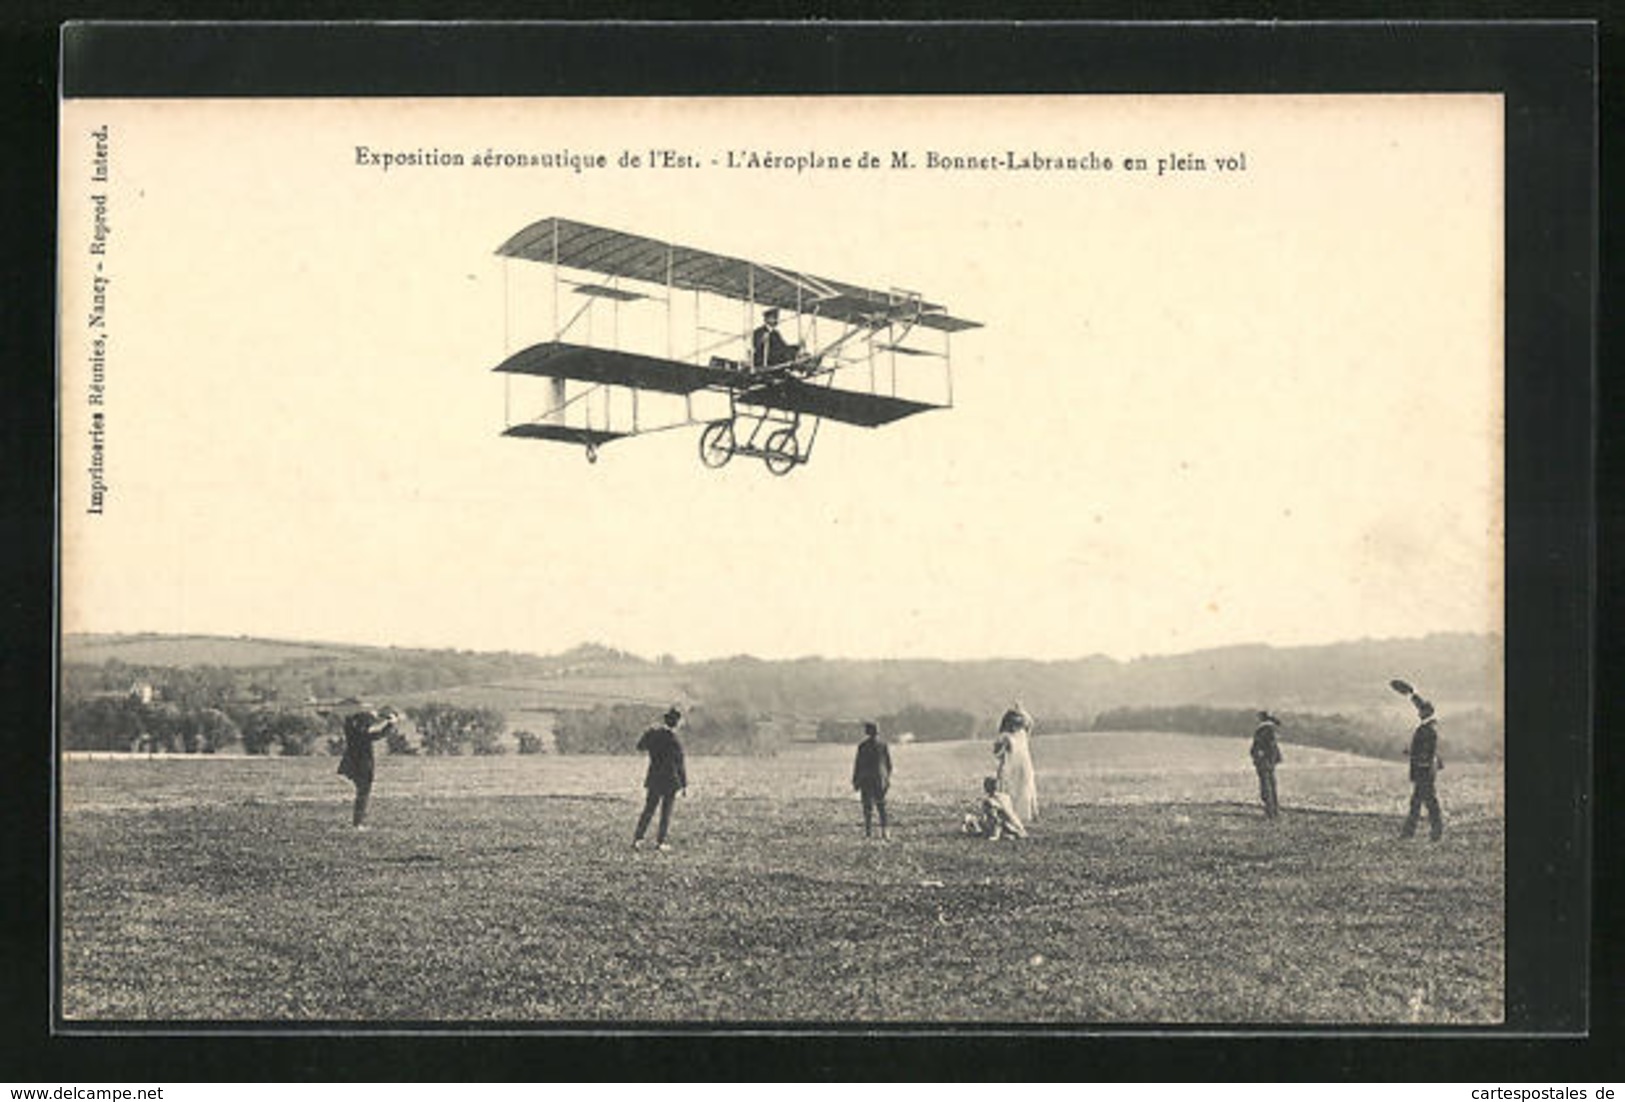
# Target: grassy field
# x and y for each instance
(518, 697)
(503, 890)
(193, 650)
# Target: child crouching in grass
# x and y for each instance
(995, 816)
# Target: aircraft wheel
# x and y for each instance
(782, 451)
(592, 453)
(717, 443)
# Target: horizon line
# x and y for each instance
(589, 644)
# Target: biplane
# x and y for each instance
(645, 336)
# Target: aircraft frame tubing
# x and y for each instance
(775, 423)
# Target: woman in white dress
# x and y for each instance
(1016, 777)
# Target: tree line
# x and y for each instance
(437, 728)
(914, 721)
(294, 681)
(126, 723)
(616, 728)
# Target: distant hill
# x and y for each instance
(1457, 670)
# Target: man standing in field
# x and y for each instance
(361, 730)
(666, 776)
(1425, 766)
(1266, 755)
(871, 776)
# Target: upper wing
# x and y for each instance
(631, 256)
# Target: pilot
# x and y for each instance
(767, 348)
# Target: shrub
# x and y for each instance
(448, 728)
(293, 733)
(605, 729)
(616, 728)
(840, 730)
(928, 724)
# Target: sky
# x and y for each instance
(1205, 407)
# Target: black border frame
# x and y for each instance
(1548, 72)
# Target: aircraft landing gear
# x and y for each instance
(781, 451)
(717, 443)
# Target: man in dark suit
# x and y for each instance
(361, 730)
(666, 776)
(767, 348)
(1266, 755)
(1425, 766)
(871, 776)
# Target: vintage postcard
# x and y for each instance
(617, 563)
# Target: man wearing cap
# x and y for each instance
(871, 776)
(666, 776)
(1425, 766)
(361, 730)
(767, 348)
(1266, 755)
